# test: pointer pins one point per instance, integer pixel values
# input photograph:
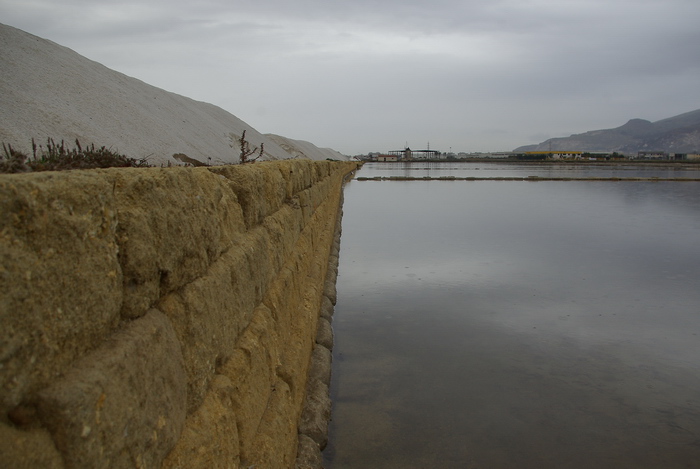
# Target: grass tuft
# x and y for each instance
(57, 157)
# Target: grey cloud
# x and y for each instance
(368, 75)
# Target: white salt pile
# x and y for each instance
(47, 90)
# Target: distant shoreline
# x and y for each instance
(678, 164)
(526, 178)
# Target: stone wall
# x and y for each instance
(163, 317)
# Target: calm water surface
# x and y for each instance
(494, 324)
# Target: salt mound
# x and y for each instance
(47, 90)
(303, 149)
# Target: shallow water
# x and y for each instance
(517, 325)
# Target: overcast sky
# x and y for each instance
(361, 76)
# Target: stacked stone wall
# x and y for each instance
(163, 317)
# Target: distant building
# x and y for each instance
(652, 155)
(498, 154)
(407, 154)
(383, 157)
(553, 154)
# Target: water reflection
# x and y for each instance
(517, 325)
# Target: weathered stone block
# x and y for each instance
(297, 175)
(307, 207)
(123, 405)
(330, 291)
(28, 449)
(317, 411)
(332, 273)
(61, 280)
(327, 309)
(210, 314)
(173, 223)
(324, 333)
(320, 365)
(283, 229)
(276, 441)
(210, 437)
(308, 454)
(252, 373)
(260, 189)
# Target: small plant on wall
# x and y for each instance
(246, 151)
(58, 157)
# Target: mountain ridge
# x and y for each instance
(677, 134)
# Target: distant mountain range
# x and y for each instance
(679, 134)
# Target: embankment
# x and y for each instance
(163, 317)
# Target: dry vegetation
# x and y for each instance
(57, 157)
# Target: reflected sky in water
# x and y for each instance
(517, 324)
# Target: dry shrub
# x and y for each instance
(57, 157)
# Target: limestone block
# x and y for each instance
(335, 248)
(210, 314)
(320, 365)
(324, 333)
(28, 449)
(123, 405)
(317, 193)
(308, 454)
(260, 189)
(326, 168)
(332, 274)
(306, 205)
(317, 411)
(327, 309)
(297, 175)
(275, 442)
(210, 437)
(290, 183)
(320, 170)
(330, 291)
(173, 223)
(284, 297)
(320, 191)
(251, 371)
(283, 229)
(60, 276)
(262, 260)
